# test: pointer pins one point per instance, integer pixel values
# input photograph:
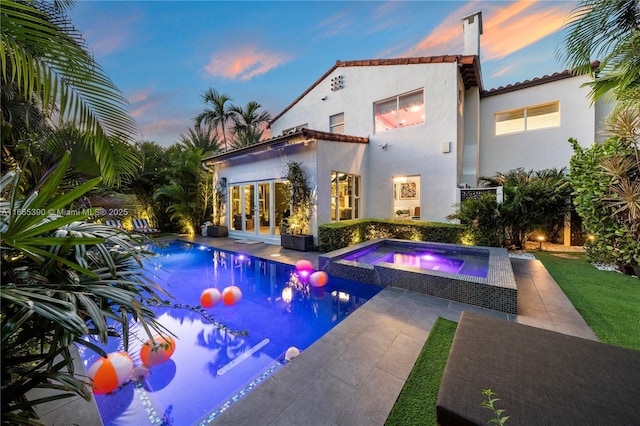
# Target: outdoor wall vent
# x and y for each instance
(337, 83)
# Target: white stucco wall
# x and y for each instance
(471, 147)
(415, 150)
(269, 165)
(537, 149)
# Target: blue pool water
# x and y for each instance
(210, 368)
(452, 259)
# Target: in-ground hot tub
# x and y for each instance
(480, 276)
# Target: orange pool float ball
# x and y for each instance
(319, 279)
(210, 298)
(231, 295)
(157, 350)
(108, 374)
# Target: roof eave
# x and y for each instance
(292, 138)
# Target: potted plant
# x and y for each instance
(294, 231)
(219, 200)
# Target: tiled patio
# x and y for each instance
(353, 375)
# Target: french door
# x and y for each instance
(258, 208)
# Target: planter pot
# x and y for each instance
(217, 231)
(297, 242)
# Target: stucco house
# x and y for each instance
(399, 137)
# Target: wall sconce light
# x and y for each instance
(446, 147)
(324, 98)
(384, 146)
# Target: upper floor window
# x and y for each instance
(400, 111)
(529, 118)
(336, 123)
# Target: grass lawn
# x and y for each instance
(416, 404)
(609, 302)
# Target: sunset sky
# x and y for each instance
(164, 54)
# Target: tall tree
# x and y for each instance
(45, 62)
(188, 193)
(217, 114)
(607, 31)
(247, 122)
(196, 138)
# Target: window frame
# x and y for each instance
(353, 195)
(333, 126)
(525, 118)
(397, 99)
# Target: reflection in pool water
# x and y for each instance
(211, 368)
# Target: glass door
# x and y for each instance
(259, 208)
(249, 207)
(264, 208)
(235, 208)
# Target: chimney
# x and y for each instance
(472, 28)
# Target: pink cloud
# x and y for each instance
(506, 29)
(334, 24)
(244, 63)
(504, 71)
(502, 38)
(143, 101)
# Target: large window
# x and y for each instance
(400, 111)
(345, 196)
(530, 118)
(336, 123)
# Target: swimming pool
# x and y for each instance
(210, 368)
(480, 276)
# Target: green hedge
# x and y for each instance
(334, 236)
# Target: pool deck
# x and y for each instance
(353, 374)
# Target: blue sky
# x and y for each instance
(164, 54)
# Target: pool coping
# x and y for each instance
(497, 291)
(542, 304)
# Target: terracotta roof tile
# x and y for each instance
(534, 82)
(469, 67)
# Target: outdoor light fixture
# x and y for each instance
(287, 294)
(540, 240)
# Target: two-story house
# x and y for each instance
(399, 137)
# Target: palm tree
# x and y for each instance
(196, 138)
(45, 61)
(532, 200)
(217, 115)
(608, 31)
(247, 121)
(187, 193)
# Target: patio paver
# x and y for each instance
(353, 374)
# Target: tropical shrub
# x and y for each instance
(532, 200)
(63, 277)
(298, 223)
(188, 193)
(606, 182)
(334, 236)
(483, 220)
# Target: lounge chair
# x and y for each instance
(115, 223)
(142, 226)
